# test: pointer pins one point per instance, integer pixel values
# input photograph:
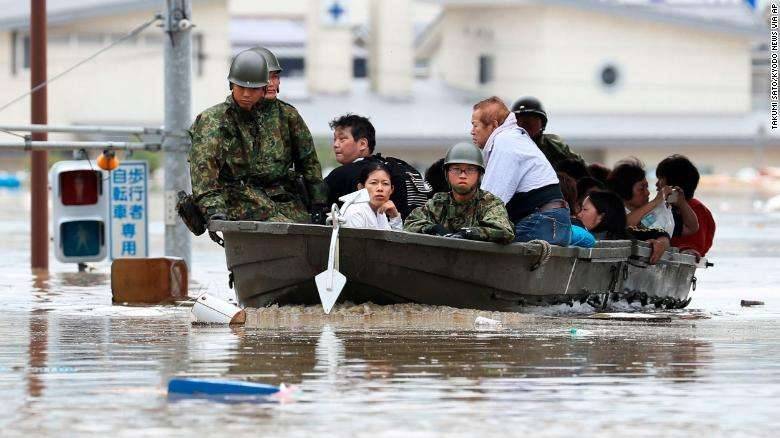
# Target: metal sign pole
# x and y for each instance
(39, 184)
(178, 102)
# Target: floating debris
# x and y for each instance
(579, 332)
(625, 316)
(749, 303)
(148, 280)
(482, 322)
(212, 310)
(209, 387)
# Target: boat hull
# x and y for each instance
(274, 263)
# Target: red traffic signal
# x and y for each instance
(80, 187)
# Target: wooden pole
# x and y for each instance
(39, 194)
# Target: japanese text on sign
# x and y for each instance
(128, 209)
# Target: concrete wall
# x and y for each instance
(422, 11)
(709, 160)
(125, 84)
(390, 59)
(557, 54)
(718, 160)
(328, 54)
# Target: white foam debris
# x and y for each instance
(483, 322)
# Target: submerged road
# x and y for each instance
(72, 364)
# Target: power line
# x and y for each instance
(130, 34)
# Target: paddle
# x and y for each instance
(330, 282)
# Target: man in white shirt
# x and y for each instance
(519, 174)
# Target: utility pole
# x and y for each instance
(178, 103)
(39, 184)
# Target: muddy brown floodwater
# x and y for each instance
(73, 364)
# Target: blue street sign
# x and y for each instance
(128, 210)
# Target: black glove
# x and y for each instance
(218, 217)
(436, 230)
(318, 214)
(462, 233)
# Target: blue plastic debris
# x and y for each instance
(210, 387)
(9, 181)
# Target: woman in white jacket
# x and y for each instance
(379, 212)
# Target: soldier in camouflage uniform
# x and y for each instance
(240, 167)
(466, 211)
(532, 117)
(285, 119)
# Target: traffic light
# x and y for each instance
(80, 211)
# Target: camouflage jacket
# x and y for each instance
(554, 148)
(485, 215)
(295, 135)
(237, 163)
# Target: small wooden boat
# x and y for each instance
(275, 263)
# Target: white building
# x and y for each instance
(124, 85)
(618, 78)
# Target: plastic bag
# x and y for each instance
(660, 217)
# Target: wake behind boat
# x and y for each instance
(275, 263)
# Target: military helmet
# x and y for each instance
(530, 105)
(270, 58)
(249, 69)
(464, 153)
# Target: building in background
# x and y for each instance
(122, 86)
(644, 78)
(618, 78)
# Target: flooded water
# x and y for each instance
(72, 364)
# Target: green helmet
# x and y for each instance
(530, 105)
(270, 58)
(249, 69)
(464, 153)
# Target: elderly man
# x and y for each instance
(465, 212)
(518, 173)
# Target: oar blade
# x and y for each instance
(329, 291)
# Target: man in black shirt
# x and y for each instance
(354, 139)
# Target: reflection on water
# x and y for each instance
(100, 372)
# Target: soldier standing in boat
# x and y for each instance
(282, 118)
(241, 169)
(466, 211)
(532, 117)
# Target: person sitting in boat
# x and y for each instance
(436, 177)
(679, 171)
(628, 180)
(239, 159)
(354, 141)
(379, 212)
(466, 211)
(518, 173)
(603, 215)
(579, 235)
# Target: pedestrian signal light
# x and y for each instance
(82, 238)
(79, 187)
(80, 211)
